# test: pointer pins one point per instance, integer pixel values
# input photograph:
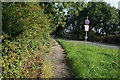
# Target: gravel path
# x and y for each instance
(58, 59)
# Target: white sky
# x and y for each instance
(112, 2)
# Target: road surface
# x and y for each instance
(111, 46)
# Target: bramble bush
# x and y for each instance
(25, 40)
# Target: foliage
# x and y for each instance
(27, 28)
(25, 40)
(104, 15)
(10, 60)
(0, 57)
(22, 57)
(113, 39)
(73, 17)
(56, 14)
(90, 61)
(103, 19)
(22, 16)
(91, 35)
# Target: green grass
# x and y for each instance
(90, 61)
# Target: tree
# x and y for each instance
(73, 18)
(102, 16)
(56, 14)
(103, 19)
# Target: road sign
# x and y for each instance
(86, 27)
(87, 22)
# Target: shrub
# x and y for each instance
(18, 17)
(25, 40)
(91, 36)
(113, 39)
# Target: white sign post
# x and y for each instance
(87, 22)
(86, 29)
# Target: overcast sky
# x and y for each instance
(112, 2)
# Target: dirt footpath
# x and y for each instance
(58, 59)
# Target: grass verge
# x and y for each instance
(90, 61)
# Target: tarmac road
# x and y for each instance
(111, 46)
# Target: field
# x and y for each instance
(90, 61)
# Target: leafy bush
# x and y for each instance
(91, 36)
(113, 39)
(18, 17)
(25, 40)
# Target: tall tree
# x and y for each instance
(103, 19)
(57, 13)
(73, 18)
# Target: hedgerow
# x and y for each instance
(113, 39)
(25, 40)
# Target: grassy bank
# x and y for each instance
(91, 61)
